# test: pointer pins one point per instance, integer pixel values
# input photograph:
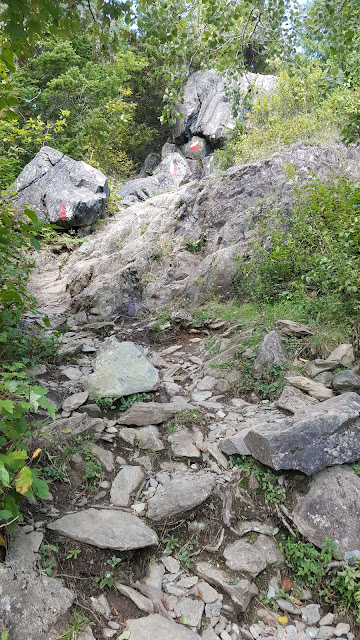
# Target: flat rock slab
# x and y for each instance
(294, 400)
(147, 437)
(75, 401)
(323, 436)
(126, 481)
(242, 556)
(121, 369)
(156, 627)
(331, 509)
(106, 529)
(240, 593)
(290, 328)
(343, 354)
(142, 414)
(182, 493)
(314, 389)
(185, 442)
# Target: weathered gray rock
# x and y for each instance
(343, 354)
(185, 442)
(147, 437)
(126, 481)
(314, 389)
(206, 110)
(141, 414)
(345, 381)
(173, 171)
(196, 148)
(323, 436)
(240, 593)
(105, 456)
(182, 493)
(242, 556)
(191, 610)
(331, 509)
(315, 367)
(150, 163)
(290, 328)
(75, 425)
(294, 400)
(142, 603)
(30, 601)
(155, 626)
(61, 190)
(270, 352)
(106, 529)
(71, 403)
(121, 369)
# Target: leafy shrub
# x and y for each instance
(313, 256)
(19, 432)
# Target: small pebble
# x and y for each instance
(113, 625)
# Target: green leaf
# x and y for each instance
(35, 243)
(4, 475)
(8, 405)
(32, 215)
(5, 514)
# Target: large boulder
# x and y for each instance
(61, 190)
(121, 369)
(326, 435)
(173, 171)
(331, 509)
(206, 110)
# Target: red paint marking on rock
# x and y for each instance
(62, 212)
(194, 147)
(175, 170)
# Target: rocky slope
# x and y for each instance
(154, 498)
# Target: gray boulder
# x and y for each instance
(270, 352)
(106, 529)
(143, 414)
(173, 171)
(182, 493)
(331, 509)
(150, 163)
(326, 435)
(155, 626)
(345, 381)
(206, 109)
(61, 190)
(121, 369)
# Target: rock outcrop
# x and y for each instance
(61, 190)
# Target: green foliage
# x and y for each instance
(340, 587)
(48, 560)
(171, 543)
(273, 491)
(73, 554)
(356, 467)
(119, 402)
(196, 245)
(57, 469)
(78, 624)
(19, 431)
(312, 256)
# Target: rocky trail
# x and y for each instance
(176, 491)
(153, 503)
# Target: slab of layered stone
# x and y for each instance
(323, 436)
(125, 482)
(142, 414)
(331, 509)
(242, 556)
(185, 442)
(290, 328)
(314, 389)
(121, 369)
(106, 529)
(156, 627)
(147, 437)
(184, 492)
(294, 400)
(240, 593)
